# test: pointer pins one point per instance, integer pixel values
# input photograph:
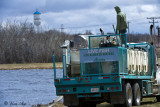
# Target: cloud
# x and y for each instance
(149, 8)
(19, 7)
(78, 19)
(67, 5)
(77, 15)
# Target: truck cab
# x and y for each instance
(107, 71)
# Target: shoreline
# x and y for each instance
(30, 66)
(59, 65)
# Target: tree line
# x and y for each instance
(20, 43)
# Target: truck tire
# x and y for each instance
(136, 95)
(128, 95)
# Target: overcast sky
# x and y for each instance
(80, 15)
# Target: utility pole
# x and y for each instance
(158, 28)
(128, 26)
(153, 20)
(62, 28)
(153, 23)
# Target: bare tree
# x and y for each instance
(20, 43)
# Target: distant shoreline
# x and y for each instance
(34, 66)
(30, 66)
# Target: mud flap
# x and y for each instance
(71, 100)
(117, 98)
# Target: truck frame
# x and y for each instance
(103, 72)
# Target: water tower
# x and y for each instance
(37, 19)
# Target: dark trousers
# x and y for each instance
(122, 37)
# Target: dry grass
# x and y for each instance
(34, 66)
(29, 66)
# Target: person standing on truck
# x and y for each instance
(121, 24)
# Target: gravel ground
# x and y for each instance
(60, 104)
(147, 102)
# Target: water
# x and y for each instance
(24, 88)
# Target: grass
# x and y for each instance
(34, 66)
(29, 66)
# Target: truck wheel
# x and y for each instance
(128, 95)
(158, 98)
(136, 95)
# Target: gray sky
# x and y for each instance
(80, 15)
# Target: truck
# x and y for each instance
(107, 71)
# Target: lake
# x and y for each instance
(24, 88)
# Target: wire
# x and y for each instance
(89, 26)
(136, 21)
(106, 24)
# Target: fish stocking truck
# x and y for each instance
(107, 71)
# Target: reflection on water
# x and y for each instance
(27, 87)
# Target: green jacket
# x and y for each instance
(121, 19)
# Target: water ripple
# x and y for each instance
(30, 86)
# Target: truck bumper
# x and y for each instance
(88, 86)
